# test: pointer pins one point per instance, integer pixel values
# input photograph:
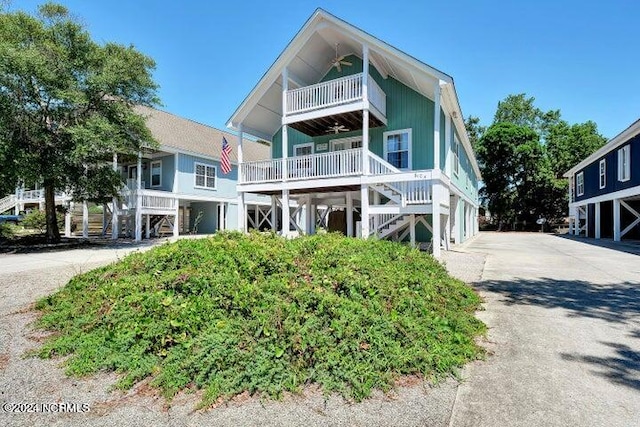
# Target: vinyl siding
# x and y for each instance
(592, 172)
(466, 179)
(225, 184)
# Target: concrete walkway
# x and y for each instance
(564, 319)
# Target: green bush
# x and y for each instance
(7, 230)
(37, 220)
(263, 314)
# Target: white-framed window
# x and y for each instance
(205, 176)
(580, 183)
(156, 173)
(456, 155)
(348, 143)
(303, 149)
(624, 163)
(397, 148)
(603, 173)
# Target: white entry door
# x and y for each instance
(346, 143)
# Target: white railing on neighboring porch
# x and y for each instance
(150, 199)
(334, 92)
(262, 171)
(8, 202)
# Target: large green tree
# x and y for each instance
(522, 174)
(66, 105)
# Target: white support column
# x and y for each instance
(597, 219)
(447, 230)
(455, 216)
(364, 210)
(617, 236)
(376, 218)
(313, 218)
(138, 221)
(285, 134)
(308, 216)
(115, 221)
(67, 220)
(147, 230)
(447, 146)
(412, 230)
(85, 219)
(176, 220)
(436, 125)
(586, 220)
(286, 214)
(274, 214)
(349, 214)
(242, 214)
(365, 112)
(435, 219)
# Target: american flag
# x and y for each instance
(225, 161)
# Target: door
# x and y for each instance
(303, 168)
(350, 163)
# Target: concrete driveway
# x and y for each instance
(564, 319)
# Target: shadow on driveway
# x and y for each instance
(627, 246)
(622, 368)
(613, 303)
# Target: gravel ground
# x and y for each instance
(27, 277)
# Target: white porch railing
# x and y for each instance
(150, 199)
(327, 94)
(415, 192)
(325, 165)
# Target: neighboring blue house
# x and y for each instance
(180, 185)
(368, 133)
(604, 198)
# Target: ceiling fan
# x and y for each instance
(337, 128)
(339, 61)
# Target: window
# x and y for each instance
(156, 173)
(303, 149)
(205, 176)
(346, 143)
(580, 183)
(603, 173)
(456, 156)
(624, 163)
(397, 148)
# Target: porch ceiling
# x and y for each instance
(320, 126)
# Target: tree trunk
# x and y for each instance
(53, 233)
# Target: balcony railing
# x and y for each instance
(332, 93)
(323, 165)
(150, 199)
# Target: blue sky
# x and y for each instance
(576, 56)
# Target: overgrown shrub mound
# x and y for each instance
(259, 313)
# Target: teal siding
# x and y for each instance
(466, 179)
(406, 109)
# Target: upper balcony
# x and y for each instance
(310, 109)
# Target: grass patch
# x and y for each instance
(262, 314)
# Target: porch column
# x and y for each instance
(242, 215)
(176, 218)
(147, 231)
(364, 210)
(412, 230)
(138, 221)
(286, 214)
(597, 220)
(616, 220)
(365, 111)
(436, 125)
(85, 219)
(455, 223)
(376, 217)
(274, 214)
(586, 220)
(67, 220)
(349, 215)
(105, 223)
(435, 219)
(115, 222)
(447, 230)
(308, 212)
(313, 218)
(285, 135)
(447, 145)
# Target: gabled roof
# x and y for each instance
(307, 58)
(176, 133)
(613, 143)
